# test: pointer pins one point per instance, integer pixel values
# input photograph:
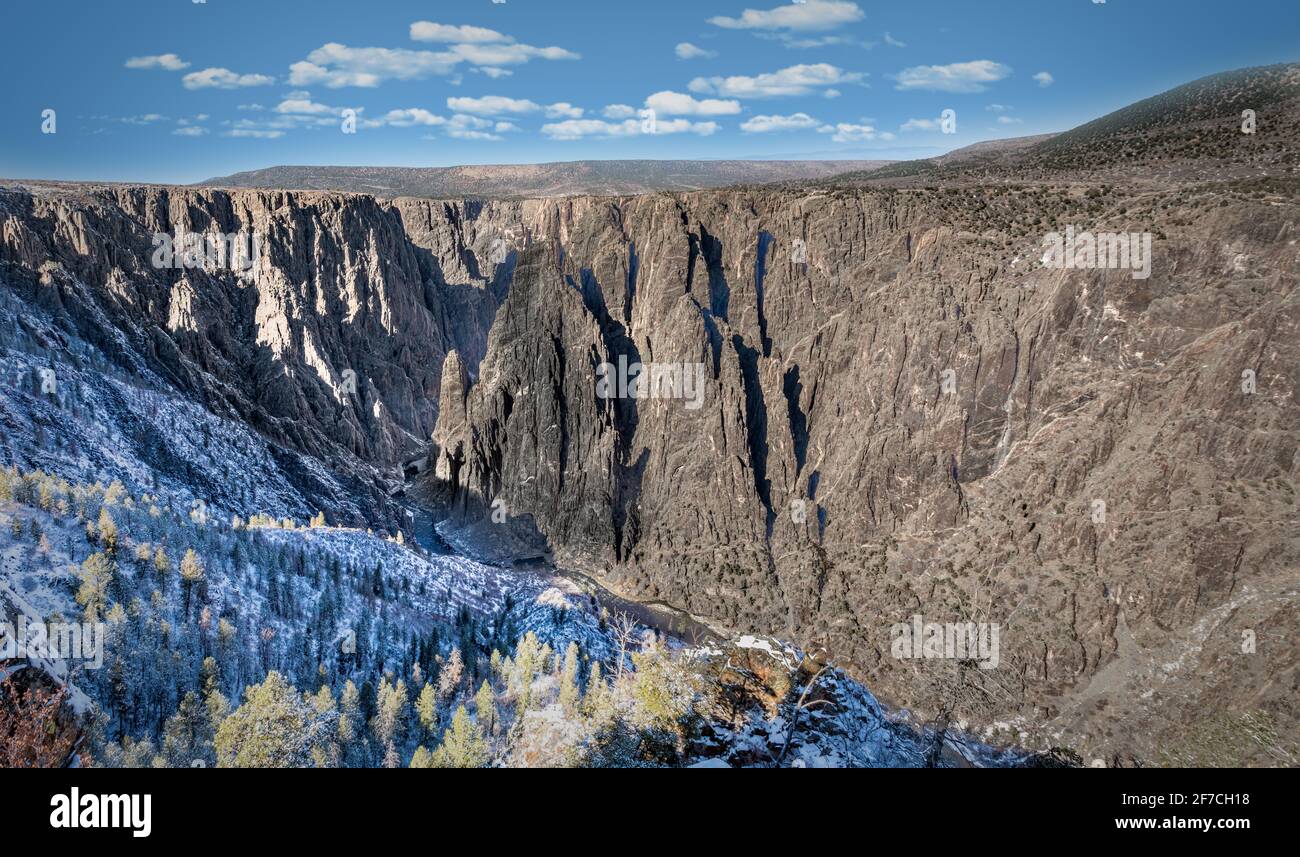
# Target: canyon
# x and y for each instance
(904, 412)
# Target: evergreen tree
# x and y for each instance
(191, 574)
(274, 728)
(107, 532)
(569, 679)
(187, 736)
(161, 564)
(389, 721)
(450, 676)
(463, 745)
(426, 707)
(350, 718)
(96, 576)
(485, 708)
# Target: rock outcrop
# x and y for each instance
(905, 413)
(327, 334)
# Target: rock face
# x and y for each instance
(922, 419)
(329, 340)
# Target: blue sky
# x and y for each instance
(178, 91)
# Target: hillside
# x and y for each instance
(1190, 133)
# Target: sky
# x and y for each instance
(178, 91)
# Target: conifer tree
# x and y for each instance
(427, 709)
(187, 735)
(107, 532)
(389, 721)
(274, 728)
(569, 679)
(485, 708)
(463, 745)
(161, 564)
(349, 714)
(96, 576)
(191, 574)
(450, 676)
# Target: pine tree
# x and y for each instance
(569, 679)
(161, 563)
(350, 717)
(187, 735)
(485, 708)
(107, 532)
(463, 745)
(422, 758)
(96, 576)
(191, 573)
(427, 709)
(274, 728)
(328, 754)
(389, 721)
(595, 703)
(449, 678)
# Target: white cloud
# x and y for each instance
(464, 127)
(1044, 78)
(491, 105)
(795, 80)
(998, 108)
(410, 116)
(688, 51)
(223, 78)
(765, 124)
(335, 65)
(190, 131)
(427, 31)
(618, 111)
(494, 73)
(254, 132)
(301, 103)
(563, 110)
(810, 16)
(920, 125)
(955, 77)
(893, 42)
(508, 54)
(669, 103)
(577, 129)
(139, 119)
(253, 106)
(168, 62)
(844, 132)
(1009, 120)
(461, 126)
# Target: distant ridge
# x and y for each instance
(500, 181)
(1189, 133)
